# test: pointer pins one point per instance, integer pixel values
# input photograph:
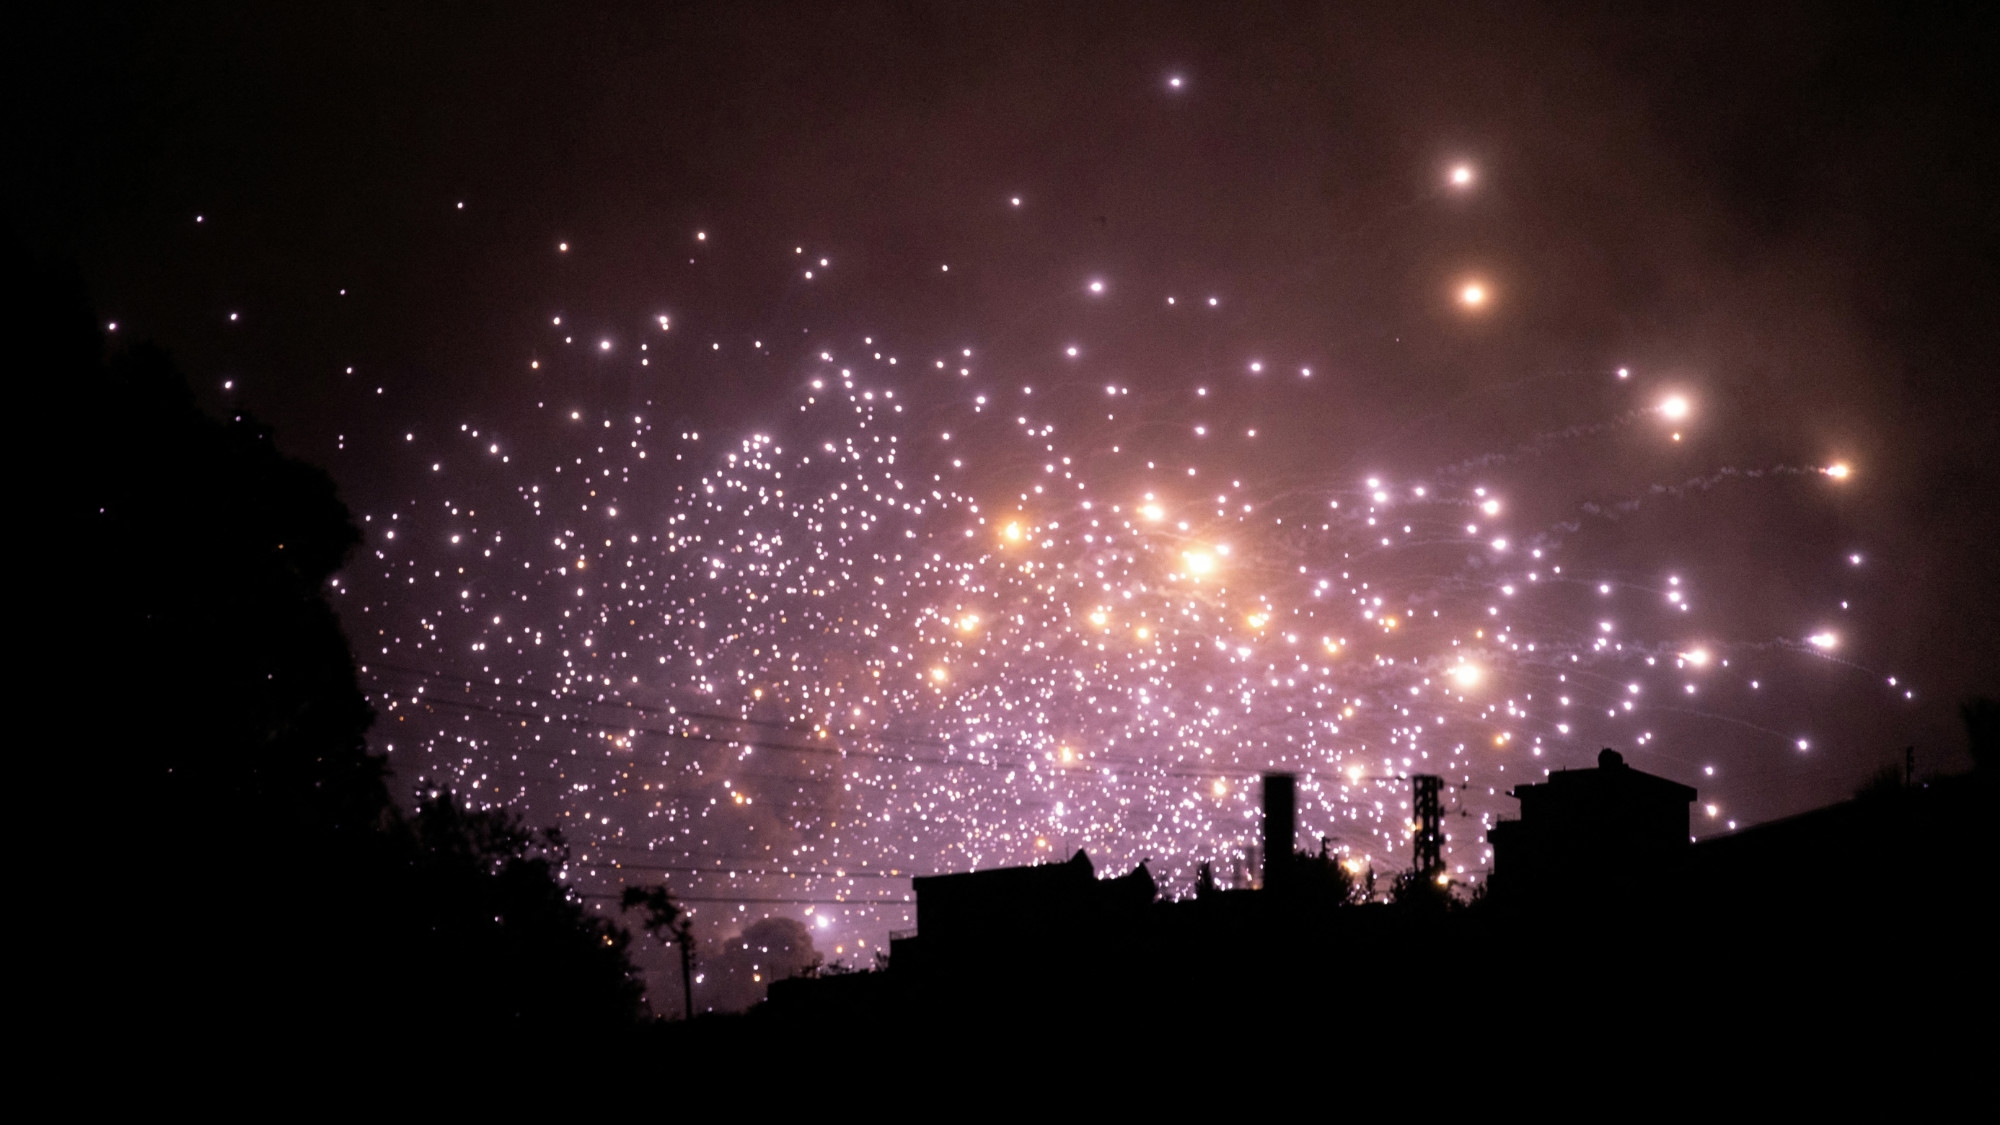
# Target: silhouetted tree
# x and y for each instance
(211, 771)
(666, 921)
(1320, 877)
(494, 937)
(1411, 890)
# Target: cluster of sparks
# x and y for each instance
(949, 617)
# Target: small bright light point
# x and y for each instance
(1097, 287)
(1697, 657)
(1624, 373)
(1015, 201)
(701, 236)
(562, 247)
(1466, 675)
(1461, 175)
(1153, 512)
(1491, 507)
(1675, 408)
(1174, 82)
(604, 345)
(1473, 295)
(1823, 640)
(1804, 745)
(1199, 562)
(1072, 352)
(1838, 470)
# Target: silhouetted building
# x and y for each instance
(1032, 913)
(1280, 828)
(1899, 859)
(1592, 834)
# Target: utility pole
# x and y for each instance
(684, 937)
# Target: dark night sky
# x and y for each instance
(1785, 216)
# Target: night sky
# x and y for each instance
(799, 446)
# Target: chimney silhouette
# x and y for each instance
(1280, 826)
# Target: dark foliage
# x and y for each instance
(1412, 890)
(1320, 877)
(498, 938)
(210, 770)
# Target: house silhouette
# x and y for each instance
(1592, 835)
